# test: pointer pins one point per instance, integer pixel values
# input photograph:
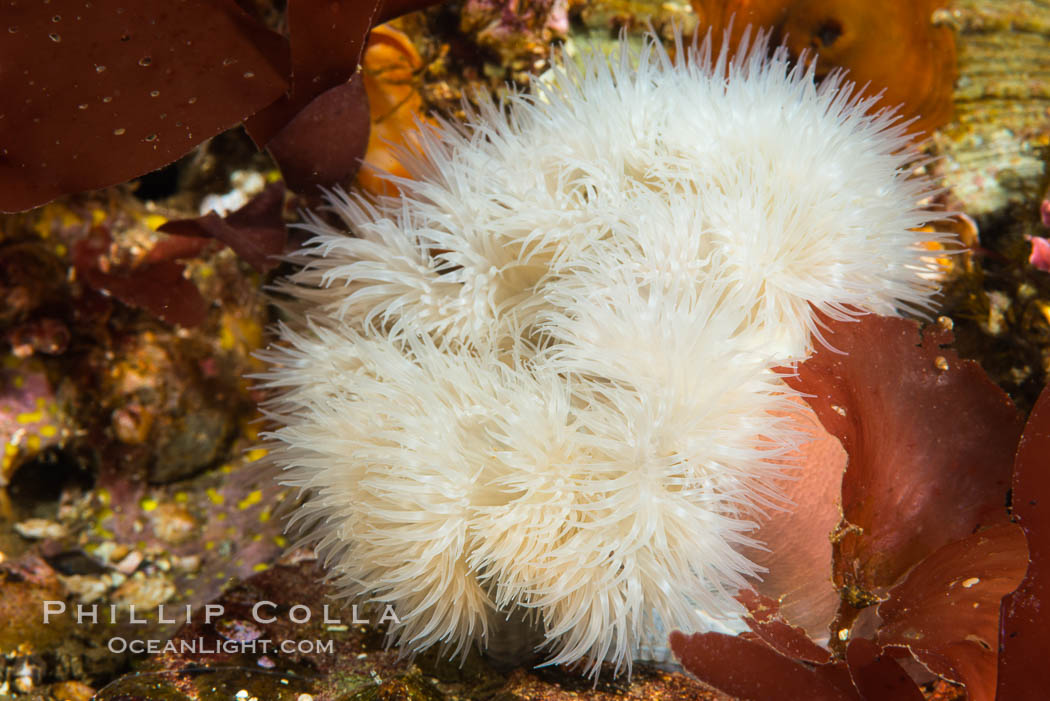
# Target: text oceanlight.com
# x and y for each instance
(205, 646)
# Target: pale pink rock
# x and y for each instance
(1040, 257)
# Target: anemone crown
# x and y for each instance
(540, 381)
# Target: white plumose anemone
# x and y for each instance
(540, 381)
